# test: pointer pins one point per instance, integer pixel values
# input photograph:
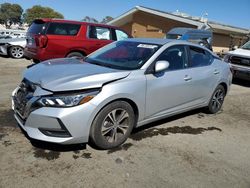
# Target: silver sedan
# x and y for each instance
(13, 47)
(124, 85)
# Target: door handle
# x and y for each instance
(187, 78)
(216, 71)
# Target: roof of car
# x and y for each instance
(150, 40)
(161, 41)
(71, 21)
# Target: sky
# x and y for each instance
(231, 12)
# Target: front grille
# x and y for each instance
(244, 61)
(24, 100)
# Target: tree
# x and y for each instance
(10, 14)
(38, 11)
(89, 19)
(107, 19)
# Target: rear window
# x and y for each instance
(63, 29)
(37, 27)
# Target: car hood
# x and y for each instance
(241, 52)
(71, 74)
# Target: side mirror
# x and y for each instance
(235, 47)
(161, 66)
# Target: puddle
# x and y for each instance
(200, 115)
(123, 147)
(7, 118)
(7, 143)
(86, 155)
(2, 136)
(174, 130)
(43, 154)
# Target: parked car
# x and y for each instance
(13, 47)
(53, 38)
(197, 36)
(239, 60)
(123, 85)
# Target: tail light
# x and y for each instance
(41, 40)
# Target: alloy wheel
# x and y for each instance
(217, 99)
(115, 125)
(16, 52)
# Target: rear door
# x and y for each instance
(98, 36)
(204, 74)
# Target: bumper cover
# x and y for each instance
(241, 72)
(74, 120)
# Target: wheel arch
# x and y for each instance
(224, 86)
(129, 101)
(76, 50)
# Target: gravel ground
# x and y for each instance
(193, 149)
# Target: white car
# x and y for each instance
(239, 60)
(13, 47)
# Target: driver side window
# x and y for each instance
(176, 56)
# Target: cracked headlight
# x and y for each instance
(66, 100)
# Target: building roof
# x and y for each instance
(180, 17)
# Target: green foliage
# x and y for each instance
(89, 19)
(10, 14)
(107, 19)
(38, 11)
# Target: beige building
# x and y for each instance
(146, 22)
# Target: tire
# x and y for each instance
(216, 100)
(75, 54)
(16, 52)
(106, 130)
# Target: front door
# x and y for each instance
(170, 90)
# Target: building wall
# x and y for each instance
(148, 25)
(152, 26)
(221, 42)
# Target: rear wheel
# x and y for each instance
(112, 125)
(75, 54)
(16, 52)
(216, 100)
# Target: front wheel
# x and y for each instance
(216, 100)
(112, 125)
(16, 52)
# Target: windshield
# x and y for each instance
(124, 55)
(246, 46)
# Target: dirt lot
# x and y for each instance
(189, 150)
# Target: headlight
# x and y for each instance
(227, 58)
(66, 100)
